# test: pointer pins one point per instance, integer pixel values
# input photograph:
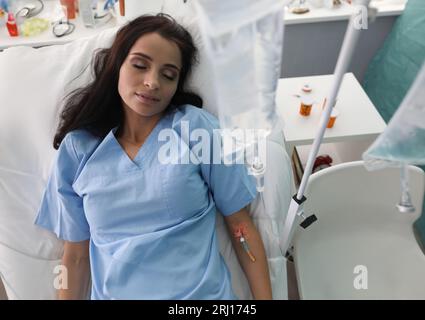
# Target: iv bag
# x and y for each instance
(243, 41)
(403, 141)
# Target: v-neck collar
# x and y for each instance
(143, 151)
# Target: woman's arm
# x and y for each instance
(254, 263)
(76, 260)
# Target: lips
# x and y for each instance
(146, 98)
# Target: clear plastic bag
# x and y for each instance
(243, 40)
(403, 141)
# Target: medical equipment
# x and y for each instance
(243, 42)
(296, 206)
(405, 204)
(240, 233)
(236, 35)
(403, 141)
(306, 88)
(62, 28)
(30, 9)
(86, 12)
(134, 8)
(300, 7)
(70, 8)
(332, 119)
(306, 105)
(246, 248)
(93, 14)
(122, 7)
(3, 18)
(4, 4)
(34, 26)
(109, 4)
(12, 28)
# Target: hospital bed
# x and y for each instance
(34, 81)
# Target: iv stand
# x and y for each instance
(296, 206)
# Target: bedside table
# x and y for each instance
(358, 121)
(358, 117)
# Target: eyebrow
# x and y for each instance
(150, 59)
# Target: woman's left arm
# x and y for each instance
(254, 263)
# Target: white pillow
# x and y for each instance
(33, 83)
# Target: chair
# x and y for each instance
(360, 239)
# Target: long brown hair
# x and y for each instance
(97, 107)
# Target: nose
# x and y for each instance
(151, 80)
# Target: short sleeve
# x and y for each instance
(61, 209)
(230, 184)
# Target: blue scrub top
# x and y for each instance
(151, 225)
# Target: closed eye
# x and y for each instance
(169, 77)
(137, 66)
(143, 67)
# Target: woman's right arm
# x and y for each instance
(76, 260)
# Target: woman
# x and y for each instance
(144, 225)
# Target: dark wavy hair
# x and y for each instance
(97, 107)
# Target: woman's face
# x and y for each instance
(149, 75)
